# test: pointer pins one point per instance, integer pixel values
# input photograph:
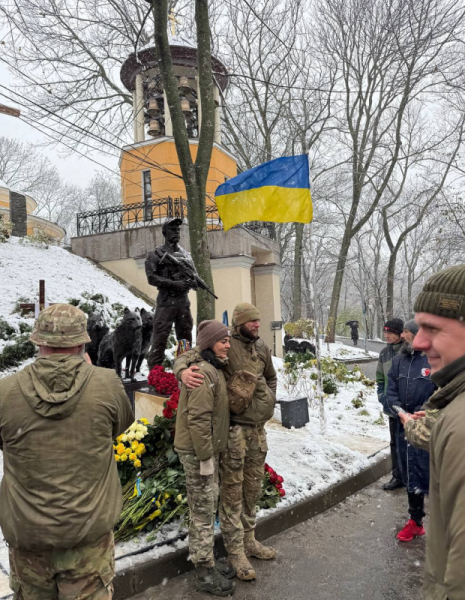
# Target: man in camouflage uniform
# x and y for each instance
(242, 463)
(60, 495)
(173, 304)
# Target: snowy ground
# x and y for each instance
(313, 459)
(339, 351)
(66, 276)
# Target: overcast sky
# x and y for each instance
(73, 168)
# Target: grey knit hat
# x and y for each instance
(210, 332)
(444, 294)
(412, 326)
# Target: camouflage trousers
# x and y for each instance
(202, 497)
(84, 573)
(241, 474)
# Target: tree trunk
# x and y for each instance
(337, 285)
(299, 232)
(194, 174)
(391, 272)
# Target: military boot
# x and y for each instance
(209, 581)
(244, 569)
(223, 566)
(255, 549)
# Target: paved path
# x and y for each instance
(347, 553)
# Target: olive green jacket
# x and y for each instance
(58, 418)
(253, 356)
(445, 552)
(202, 419)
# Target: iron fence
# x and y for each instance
(127, 216)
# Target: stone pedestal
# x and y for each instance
(18, 214)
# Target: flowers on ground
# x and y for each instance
(167, 385)
(128, 448)
(272, 488)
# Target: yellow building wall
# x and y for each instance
(136, 160)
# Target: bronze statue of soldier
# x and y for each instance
(170, 269)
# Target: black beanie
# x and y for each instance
(394, 325)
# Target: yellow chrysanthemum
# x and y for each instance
(117, 457)
(120, 448)
(145, 421)
(127, 451)
(124, 457)
(137, 463)
(119, 438)
(124, 438)
(131, 436)
(133, 456)
(140, 449)
(139, 435)
(134, 445)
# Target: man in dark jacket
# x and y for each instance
(392, 334)
(60, 495)
(409, 387)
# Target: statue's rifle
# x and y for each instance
(189, 272)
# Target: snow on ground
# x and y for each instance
(66, 276)
(339, 351)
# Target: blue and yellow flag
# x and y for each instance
(278, 191)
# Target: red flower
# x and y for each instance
(168, 413)
(267, 467)
(279, 479)
(278, 486)
(282, 493)
(273, 477)
(171, 405)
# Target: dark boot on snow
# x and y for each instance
(394, 484)
(209, 581)
(225, 568)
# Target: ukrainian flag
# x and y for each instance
(277, 191)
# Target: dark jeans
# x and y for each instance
(163, 320)
(395, 461)
(416, 507)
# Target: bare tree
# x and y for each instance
(387, 55)
(22, 167)
(194, 172)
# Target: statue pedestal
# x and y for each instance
(148, 405)
(144, 401)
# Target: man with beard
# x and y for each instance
(251, 376)
(409, 387)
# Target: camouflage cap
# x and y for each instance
(171, 222)
(60, 326)
(244, 313)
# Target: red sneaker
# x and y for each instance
(410, 531)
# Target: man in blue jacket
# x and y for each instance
(392, 334)
(409, 387)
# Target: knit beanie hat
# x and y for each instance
(394, 325)
(412, 326)
(210, 332)
(444, 294)
(243, 313)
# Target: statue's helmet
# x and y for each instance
(172, 222)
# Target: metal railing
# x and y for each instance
(141, 214)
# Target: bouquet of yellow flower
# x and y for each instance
(129, 448)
